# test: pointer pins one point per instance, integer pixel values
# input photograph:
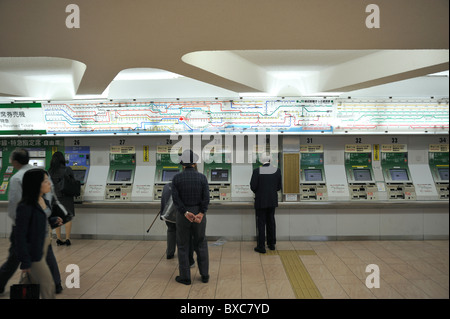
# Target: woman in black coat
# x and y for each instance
(57, 172)
(32, 233)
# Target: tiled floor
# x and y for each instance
(139, 269)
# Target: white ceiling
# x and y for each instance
(223, 49)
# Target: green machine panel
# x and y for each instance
(40, 151)
(394, 164)
(122, 167)
(167, 166)
(217, 168)
(360, 176)
(438, 159)
(312, 173)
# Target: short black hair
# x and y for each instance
(21, 156)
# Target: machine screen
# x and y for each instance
(219, 175)
(443, 173)
(362, 175)
(399, 174)
(313, 175)
(168, 174)
(79, 175)
(37, 162)
(122, 175)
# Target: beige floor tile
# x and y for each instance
(151, 289)
(254, 290)
(319, 272)
(279, 289)
(330, 289)
(311, 260)
(228, 289)
(100, 290)
(385, 291)
(252, 273)
(357, 291)
(409, 291)
(201, 290)
(274, 272)
(431, 288)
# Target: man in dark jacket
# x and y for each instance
(265, 183)
(190, 193)
(172, 228)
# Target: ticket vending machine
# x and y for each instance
(394, 164)
(439, 164)
(78, 159)
(360, 176)
(38, 159)
(122, 166)
(217, 168)
(312, 174)
(166, 168)
(40, 151)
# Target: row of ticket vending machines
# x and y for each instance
(369, 172)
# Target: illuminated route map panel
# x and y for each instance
(287, 116)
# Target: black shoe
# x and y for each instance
(205, 279)
(60, 242)
(68, 243)
(59, 289)
(260, 250)
(272, 247)
(170, 256)
(182, 281)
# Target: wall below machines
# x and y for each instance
(295, 221)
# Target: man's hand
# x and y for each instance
(190, 216)
(199, 218)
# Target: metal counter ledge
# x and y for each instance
(281, 205)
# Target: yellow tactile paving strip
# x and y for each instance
(301, 281)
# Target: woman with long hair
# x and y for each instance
(32, 234)
(57, 172)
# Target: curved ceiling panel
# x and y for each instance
(42, 78)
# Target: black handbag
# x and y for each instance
(58, 210)
(25, 289)
(71, 187)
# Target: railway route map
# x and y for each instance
(293, 116)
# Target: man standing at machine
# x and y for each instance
(190, 193)
(265, 183)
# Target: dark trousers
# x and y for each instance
(265, 221)
(172, 242)
(185, 231)
(8, 269)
